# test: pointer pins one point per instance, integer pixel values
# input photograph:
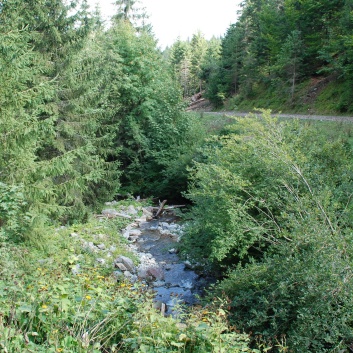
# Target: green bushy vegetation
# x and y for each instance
(88, 112)
(48, 304)
(272, 210)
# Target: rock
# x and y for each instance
(131, 210)
(127, 262)
(127, 274)
(160, 306)
(101, 261)
(111, 203)
(74, 235)
(163, 225)
(189, 265)
(186, 284)
(100, 236)
(76, 269)
(126, 234)
(142, 219)
(121, 266)
(148, 213)
(101, 247)
(118, 274)
(148, 225)
(132, 278)
(110, 212)
(135, 232)
(124, 215)
(89, 246)
(158, 284)
(172, 251)
(156, 273)
(133, 238)
(112, 248)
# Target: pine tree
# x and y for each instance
(198, 53)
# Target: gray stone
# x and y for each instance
(74, 235)
(121, 266)
(118, 274)
(100, 261)
(76, 269)
(127, 274)
(127, 262)
(101, 247)
(135, 232)
(131, 210)
(110, 212)
(155, 273)
(188, 265)
(100, 236)
(148, 213)
(172, 251)
(126, 234)
(132, 278)
(158, 284)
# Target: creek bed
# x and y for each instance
(178, 284)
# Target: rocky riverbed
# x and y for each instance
(154, 243)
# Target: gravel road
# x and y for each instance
(288, 116)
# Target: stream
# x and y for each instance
(154, 242)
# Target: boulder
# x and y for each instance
(127, 262)
(120, 266)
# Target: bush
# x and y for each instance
(13, 217)
(272, 206)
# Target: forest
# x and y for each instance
(91, 113)
(280, 54)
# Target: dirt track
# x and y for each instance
(295, 116)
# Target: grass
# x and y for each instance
(50, 304)
(333, 98)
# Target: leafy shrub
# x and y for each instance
(273, 207)
(13, 217)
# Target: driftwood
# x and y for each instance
(168, 208)
(160, 209)
(163, 309)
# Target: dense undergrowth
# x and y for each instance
(50, 304)
(272, 210)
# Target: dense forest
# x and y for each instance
(279, 53)
(91, 113)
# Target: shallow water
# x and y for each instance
(180, 285)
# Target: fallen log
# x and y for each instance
(168, 207)
(160, 209)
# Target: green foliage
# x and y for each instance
(193, 62)
(281, 43)
(272, 205)
(150, 128)
(301, 292)
(47, 307)
(13, 219)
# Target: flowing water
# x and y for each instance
(178, 283)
